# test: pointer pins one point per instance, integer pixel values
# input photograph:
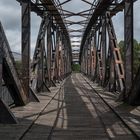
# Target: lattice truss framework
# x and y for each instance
(96, 49)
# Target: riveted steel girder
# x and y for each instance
(104, 47)
(100, 9)
(49, 49)
(39, 66)
(1, 59)
(10, 75)
(26, 11)
(128, 39)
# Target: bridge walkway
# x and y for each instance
(76, 109)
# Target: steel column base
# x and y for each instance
(6, 116)
(32, 96)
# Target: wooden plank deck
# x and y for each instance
(129, 114)
(25, 116)
(75, 113)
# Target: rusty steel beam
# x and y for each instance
(40, 74)
(35, 7)
(99, 57)
(60, 60)
(62, 3)
(119, 68)
(49, 50)
(50, 6)
(26, 11)
(6, 116)
(10, 75)
(87, 2)
(128, 37)
(89, 54)
(94, 55)
(1, 59)
(101, 7)
(53, 69)
(39, 59)
(57, 54)
(104, 47)
(133, 97)
(86, 57)
(53, 65)
(85, 67)
(65, 57)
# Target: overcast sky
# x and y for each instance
(10, 16)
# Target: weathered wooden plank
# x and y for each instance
(75, 113)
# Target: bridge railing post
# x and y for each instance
(104, 48)
(128, 39)
(26, 11)
(1, 60)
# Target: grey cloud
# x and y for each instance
(9, 3)
(137, 20)
(14, 39)
(76, 6)
(35, 24)
(10, 18)
(10, 15)
(118, 22)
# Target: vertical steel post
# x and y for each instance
(89, 56)
(57, 53)
(59, 64)
(68, 53)
(41, 67)
(65, 56)
(92, 57)
(6, 115)
(86, 56)
(95, 56)
(1, 60)
(87, 49)
(128, 35)
(67, 59)
(62, 58)
(67, 64)
(103, 47)
(49, 50)
(81, 63)
(83, 59)
(26, 8)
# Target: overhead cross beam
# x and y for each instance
(80, 30)
(87, 2)
(100, 9)
(64, 3)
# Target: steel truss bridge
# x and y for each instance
(98, 53)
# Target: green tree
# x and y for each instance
(76, 67)
(136, 53)
(136, 56)
(18, 66)
(121, 46)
